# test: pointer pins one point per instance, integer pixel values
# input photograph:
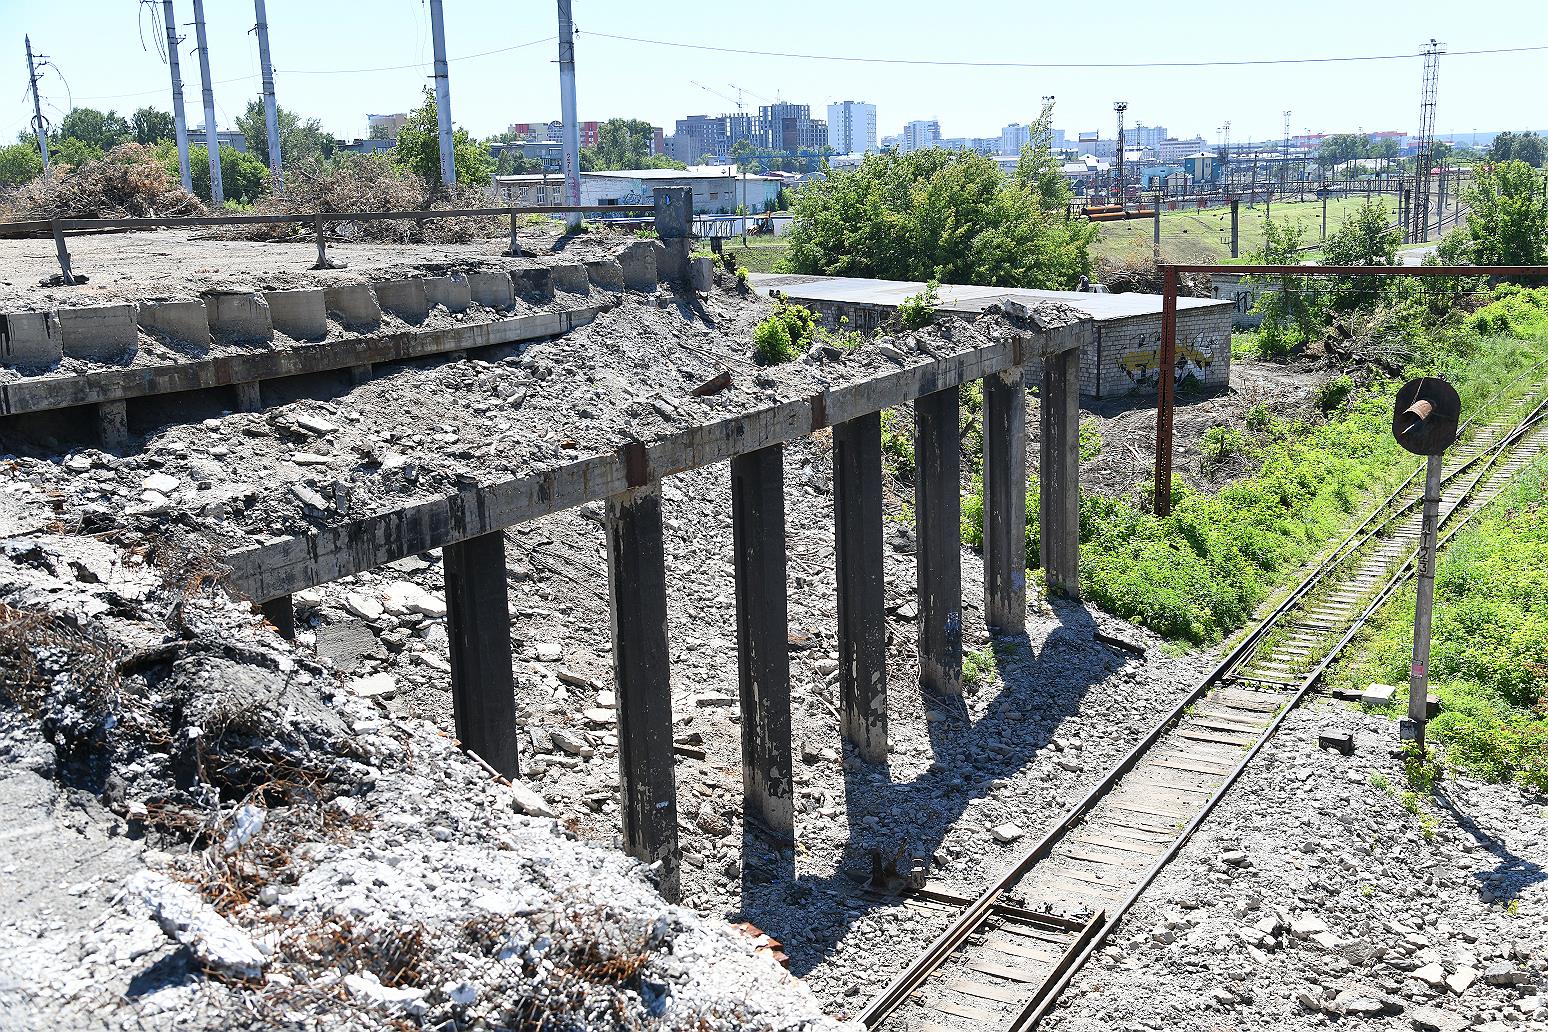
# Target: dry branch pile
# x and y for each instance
(127, 182)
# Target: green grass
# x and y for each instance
(1489, 653)
(1205, 236)
(759, 255)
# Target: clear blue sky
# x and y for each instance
(97, 46)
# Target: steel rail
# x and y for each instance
(309, 218)
(946, 944)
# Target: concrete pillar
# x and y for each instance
(762, 634)
(938, 519)
(478, 623)
(1005, 501)
(359, 374)
(636, 576)
(862, 628)
(112, 424)
(674, 228)
(1059, 474)
(281, 612)
(249, 396)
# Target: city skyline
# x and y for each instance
(502, 68)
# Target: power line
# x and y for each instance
(1052, 65)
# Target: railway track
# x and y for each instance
(1012, 949)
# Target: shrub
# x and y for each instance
(772, 344)
(1222, 442)
(897, 444)
(1332, 394)
(918, 310)
(1090, 440)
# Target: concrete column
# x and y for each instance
(249, 396)
(762, 635)
(112, 424)
(359, 374)
(1005, 501)
(938, 518)
(478, 622)
(1059, 474)
(636, 576)
(281, 612)
(674, 226)
(862, 627)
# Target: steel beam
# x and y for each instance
(1166, 391)
(762, 635)
(636, 576)
(478, 623)
(1005, 501)
(1059, 474)
(862, 621)
(938, 520)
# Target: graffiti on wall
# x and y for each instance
(1194, 357)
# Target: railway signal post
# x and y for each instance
(1424, 421)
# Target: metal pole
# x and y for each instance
(270, 109)
(442, 95)
(178, 117)
(572, 184)
(1236, 225)
(1155, 229)
(1424, 604)
(1325, 215)
(1166, 391)
(37, 107)
(211, 141)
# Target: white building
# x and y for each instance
(717, 189)
(921, 135)
(852, 126)
(1014, 137)
(1174, 150)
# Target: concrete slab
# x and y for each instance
(404, 298)
(638, 260)
(701, 274)
(186, 322)
(105, 333)
(30, 340)
(239, 318)
(537, 284)
(452, 292)
(299, 314)
(572, 279)
(605, 274)
(491, 289)
(354, 305)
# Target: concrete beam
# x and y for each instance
(763, 643)
(112, 425)
(249, 396)
(674, 228)
(299, 314)
(39, 394)
(605, 274)
(478, 623)
(1005, 501)
(571, 278)
(104, 333)
(450, 292)
(354, 305)
(491, 289)
(185, 322)
(636, 568)
(1059, 474)
(291, 564)
(537, 284)
(30, 340)
(862, 617)
(404, 298)
(638, 259)
(938, 521)
(239, 318)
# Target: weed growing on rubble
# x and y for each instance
(785, 335)
(977, 666)
(917, 310)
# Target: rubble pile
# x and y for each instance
(128, 181)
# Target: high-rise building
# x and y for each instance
(553, 132)
(921, 135)
(791, 127)
(385, 126)
(1014, 137)
(852, 126)
(698, 135)
(1142, 135)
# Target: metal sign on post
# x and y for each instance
(1424, 421)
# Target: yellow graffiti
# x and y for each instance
(1148, 360)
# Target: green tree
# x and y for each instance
(1294, 312)
(1507, 218)
(102, 130)
(1039, 170)
(73, 152)
(299, 141)
(243, 178)
(624, 143)
(1528, 147)
(1365, 238)
(149, 126)
(18, 163)
(419, 149)
(1341, 148)
(935, 214)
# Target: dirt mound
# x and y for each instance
(127, 182)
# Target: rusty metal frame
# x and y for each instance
(1166, 387)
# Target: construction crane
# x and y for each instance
(737, 100)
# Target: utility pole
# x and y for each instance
(211, 140)
(270, 109)
(1284, 160)
(178, 117)
(442, 95)
(1120, 106)
(38, 125)
(572, 185)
